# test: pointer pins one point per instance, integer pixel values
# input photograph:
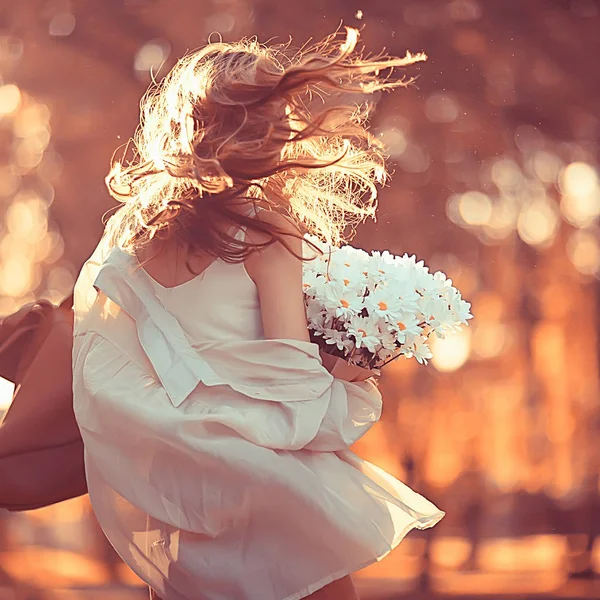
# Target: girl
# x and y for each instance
(216, 437)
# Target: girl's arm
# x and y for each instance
(278, 276)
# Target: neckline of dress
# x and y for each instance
(169, 288)
(165, 288)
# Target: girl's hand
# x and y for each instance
(342, 369)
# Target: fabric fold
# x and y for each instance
(310, 408)
(177, 366)
(180, 366)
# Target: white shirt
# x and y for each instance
(218, 463)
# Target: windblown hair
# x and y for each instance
(246, 123)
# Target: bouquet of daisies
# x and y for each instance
(371, 308)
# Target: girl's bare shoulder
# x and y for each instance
(285, 226)
(275, 257)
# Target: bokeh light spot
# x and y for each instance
(62, 24)
(441, 108)
(580, 186)
(32, 121)
(10, 99)
(414, 159)
(16, 275)
(579, 179)
(222, 22)
(583, 249)
(394, 140)
(506, 174)
(503, 221)
(11, 48)
(151, 56)
(9, 181)
(60, 280)
(475, 208)
(538, 222)
(451, 352)
(489, 339)
(546, 166)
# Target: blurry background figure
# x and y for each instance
(495, 151)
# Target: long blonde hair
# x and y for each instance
(249, 123)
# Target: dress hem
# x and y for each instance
(315, 587)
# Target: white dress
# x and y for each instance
(217, 461)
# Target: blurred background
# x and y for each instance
(495, 153)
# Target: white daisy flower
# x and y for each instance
(419, 350)
(312, 282)
(315, 313)
(381, 263)
(340, 300)
(388, 339)
(366, 332)
(407, 324)
(435, 310)
(404, 289)
(384, 304)
(339, 339)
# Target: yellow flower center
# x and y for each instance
(347, 264)
(346, 281)
(381, 271)
(382, 306)
(401, 326)
(363, 332)
(344, 303)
